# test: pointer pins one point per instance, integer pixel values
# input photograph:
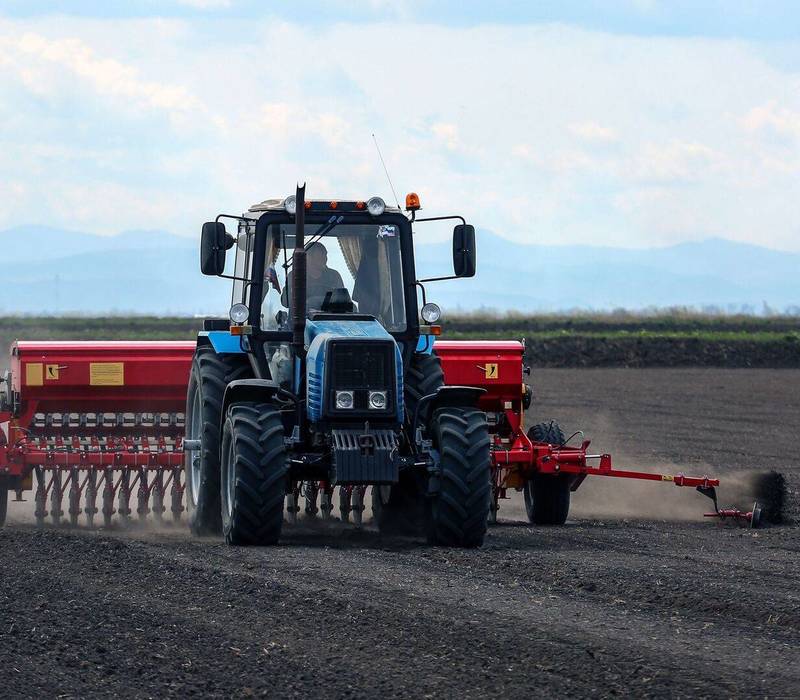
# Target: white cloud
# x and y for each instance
(446, 134)
(676, 161)
(42, 65)
(593, 132)
(594, 138)
(285, 121)
(771, 117)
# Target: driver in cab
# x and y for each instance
(320, 279)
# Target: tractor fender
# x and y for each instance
(240, 390)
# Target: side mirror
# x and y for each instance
(464, 250)
(213, 244)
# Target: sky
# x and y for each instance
(635, 123)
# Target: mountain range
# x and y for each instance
(55, 271)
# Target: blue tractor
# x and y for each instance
(324, 376)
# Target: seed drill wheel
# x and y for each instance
(3, 500)
(755, 519)
(253, 475)
(209, 376)
(460, 509)
(547, 495)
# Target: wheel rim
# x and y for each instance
(195, 428)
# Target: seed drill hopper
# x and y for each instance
(98, 427)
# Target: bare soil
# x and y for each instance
(627, 604)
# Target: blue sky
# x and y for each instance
(635, 123)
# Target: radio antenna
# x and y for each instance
(385, 169)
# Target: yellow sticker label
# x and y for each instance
(34, 374)
(492, 371)
(107, 373)
(667, 477)
(51, 371)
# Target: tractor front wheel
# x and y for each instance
(547, 495)
(460, 506)
(253, 483)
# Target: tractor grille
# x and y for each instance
(361, 367)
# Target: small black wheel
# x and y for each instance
(210, 375)
(547, 496)
(253, 479)
(3, 500)
(460, 510)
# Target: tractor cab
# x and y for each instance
(319, 378)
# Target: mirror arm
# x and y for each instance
(438, 279)
(237, 218)
(419, 284)
(444, 218)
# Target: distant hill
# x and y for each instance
(47, 270)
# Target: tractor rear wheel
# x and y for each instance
(3, 500)
(547, 495)
(211, 373)
(460, 509)
(424, 376)
(254, 473)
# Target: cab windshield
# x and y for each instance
(364, 259)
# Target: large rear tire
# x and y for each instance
(210, 375)
(460, 509)
(547, 496)
(424, 376)
(253, 475)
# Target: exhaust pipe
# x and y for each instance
(298, 290)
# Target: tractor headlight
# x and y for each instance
(376, 206)
(431, 313)
(344, 399)
(290, 204)
(239, 313)
(377, 400)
